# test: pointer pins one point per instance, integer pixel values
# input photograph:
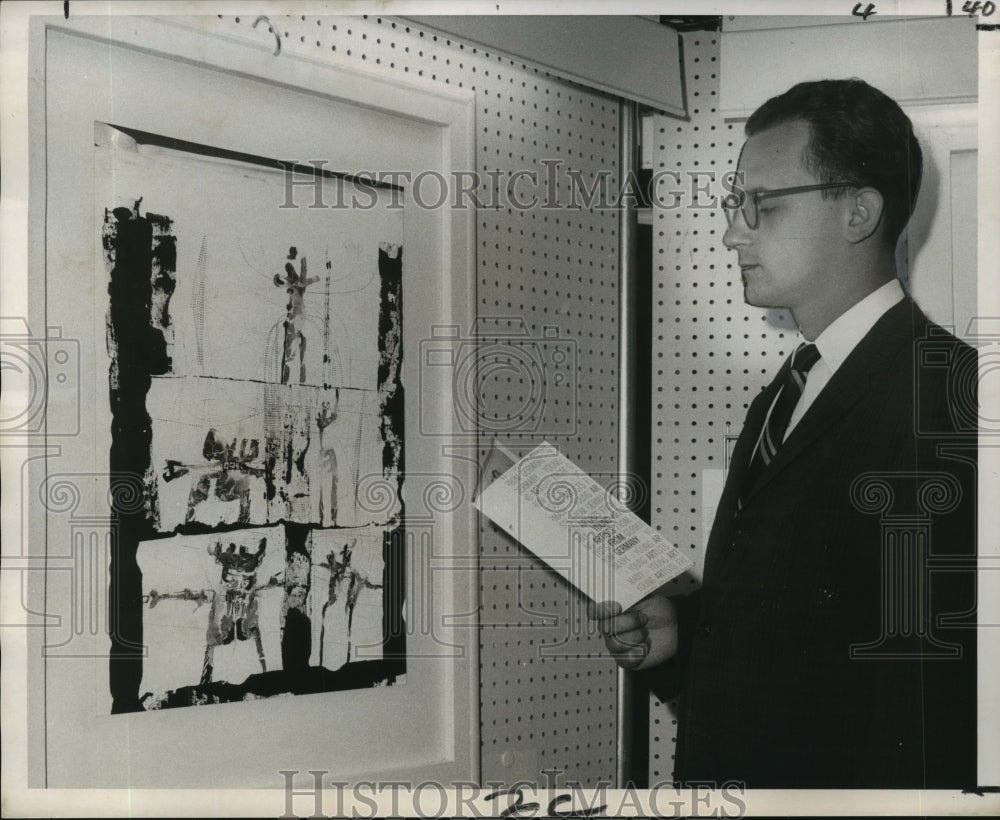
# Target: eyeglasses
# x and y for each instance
(748, 204)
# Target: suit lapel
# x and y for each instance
(849, 384)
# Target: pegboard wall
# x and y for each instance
(712, 353)
(548, 275)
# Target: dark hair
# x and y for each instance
(857, 135)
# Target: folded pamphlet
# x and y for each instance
(582, 531)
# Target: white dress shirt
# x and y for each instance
(837, 341)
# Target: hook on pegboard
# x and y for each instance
(273, 30)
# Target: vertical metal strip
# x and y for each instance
(628, 730)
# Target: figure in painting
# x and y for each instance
(295, 283)
(346, 584)
(230, 472)
(328, 456)
(234, 607)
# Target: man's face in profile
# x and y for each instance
(785, 261)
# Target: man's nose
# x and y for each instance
(737, 233)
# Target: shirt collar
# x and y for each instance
(842, 335)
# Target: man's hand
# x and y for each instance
(644, 636)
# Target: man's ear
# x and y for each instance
(864, 214)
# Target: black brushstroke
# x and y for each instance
(391, 412)
(139, 261)
(390, 349)
(314, 680)
(165, 263)
(393, 596)
(296, 634)
(270, 488)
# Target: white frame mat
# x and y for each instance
(165, 76)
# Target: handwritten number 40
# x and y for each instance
(984, 9)
(970, 7)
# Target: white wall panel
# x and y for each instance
(913, 60)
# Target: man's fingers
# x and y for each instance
(633, 657)
(626, 622)
(627, 643)
(603, 610)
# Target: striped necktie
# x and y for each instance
(802, 360)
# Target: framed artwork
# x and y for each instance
(249, 453)
(255, 385)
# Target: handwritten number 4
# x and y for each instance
(984, 9)
(864, 15)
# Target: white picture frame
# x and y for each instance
(166, 76)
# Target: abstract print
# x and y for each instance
(254, 382)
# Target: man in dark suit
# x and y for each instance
(832, 642)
